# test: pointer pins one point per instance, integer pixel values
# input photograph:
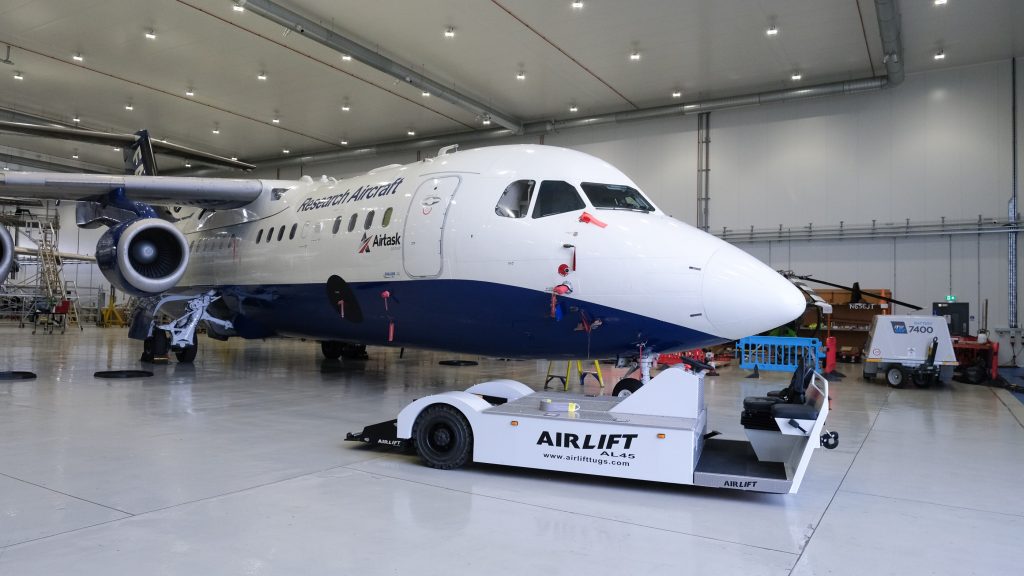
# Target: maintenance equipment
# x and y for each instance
(909, 347)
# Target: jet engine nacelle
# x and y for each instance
(6, 253)
(143, 257)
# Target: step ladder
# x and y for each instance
(71, 294)
(568, 373)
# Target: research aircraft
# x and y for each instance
(518, 251)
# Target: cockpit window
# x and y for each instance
(616, 197)
(556, 197)
(515, 201)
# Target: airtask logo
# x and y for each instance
(899, 327)
(361, 193)
(378, 240)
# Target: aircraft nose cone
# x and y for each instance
(743, 296)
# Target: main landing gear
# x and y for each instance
(332, 350)
(179, 335)
(643, 362)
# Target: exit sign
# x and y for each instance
(951, 298)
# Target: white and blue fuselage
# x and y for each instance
(431, 255)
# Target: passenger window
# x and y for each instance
(352, 222)
(259, 236)
(515, 200)
(280, 233)
(291, 233)
(337, 225)
(556, 197)
(387, 218)
(369, 220)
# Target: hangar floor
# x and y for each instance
(237, 465)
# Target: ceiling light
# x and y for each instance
(188, 164)
(635, 56)
(940, 55)
(76, 119)
(151, 34)
(117, 149)
(796, 76)
(129, 107)
(18, 76)
(261, 76)
(486, 120)
(344, 142)
(276, 120)
(940, 2)
(520, 75)
(425, 94)
(238, 7)
(74, 156)
(190, 92)
(449, 32)
(346, 57)
(77, 57)
(772, 31)
(677, 94)
(411, 132)
(345, 108)
(574, 108)
(578, 5)
(286, 151)
(215, 130)
(235, 158)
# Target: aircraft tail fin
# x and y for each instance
(138, 158)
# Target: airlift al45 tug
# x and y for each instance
(658, 433)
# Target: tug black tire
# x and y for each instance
(626, 386)
(443, 437)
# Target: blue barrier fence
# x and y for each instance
(776, 352)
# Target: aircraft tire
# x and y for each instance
(626, 386)
(443, 437)
(332, 349)
(187, 355)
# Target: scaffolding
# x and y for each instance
(37, 287)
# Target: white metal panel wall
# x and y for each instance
(935, 146)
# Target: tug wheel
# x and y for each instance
(896, 376)
(443, 437)
(626, 387)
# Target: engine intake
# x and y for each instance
(6, 253)
(143, 257)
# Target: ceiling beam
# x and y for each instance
(343, 45)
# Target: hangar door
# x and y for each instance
(423, 245)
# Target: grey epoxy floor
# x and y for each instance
(236, 465)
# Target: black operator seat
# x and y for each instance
(759, 412)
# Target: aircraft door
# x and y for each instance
(423, 245)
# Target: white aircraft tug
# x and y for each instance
(658, 432)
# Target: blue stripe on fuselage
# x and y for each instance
(464, 316)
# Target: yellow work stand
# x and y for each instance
(568, 372)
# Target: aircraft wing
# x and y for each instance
(212, 193)
(112, 139)
(62, 255)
